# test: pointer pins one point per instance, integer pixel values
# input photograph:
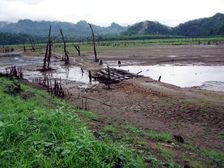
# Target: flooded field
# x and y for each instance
(18, 59)
(30, 69)
(208, 77)
(190, 75)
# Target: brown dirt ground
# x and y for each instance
(156, 54)
(195, 114)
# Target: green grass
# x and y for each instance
(216, 157)
(110, 129)
(151, 134)
(37, 130)
(159, 136)
(127, 42)
(168, 154)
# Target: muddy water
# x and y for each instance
(207, 77)
(20, 60)
(31, 64)
(71, 73)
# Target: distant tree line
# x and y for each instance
(20, 38)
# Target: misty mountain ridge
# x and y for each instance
(40, 28)
(195, 28)
(148, 27)
(199, 27)
(202, 27)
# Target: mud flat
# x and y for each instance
(192, 112)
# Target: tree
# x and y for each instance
(94, 43)
(32, 43)
(65, 51)
(77, 47)
(47, 57)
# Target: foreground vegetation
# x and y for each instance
(37, 130)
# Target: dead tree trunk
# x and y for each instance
(77, 47)
(108, 81)
(49, 48)
(32, 45)
(94, 43)
(24, 48)
(49, 54)
(47, 57)
(65, 51)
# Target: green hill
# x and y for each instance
(40, 28)
(196, 28)
(202, 27)
(24, 30)
(148, 27)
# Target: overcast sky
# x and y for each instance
(103, 12)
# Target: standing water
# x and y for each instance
(208, 77)
(66, 73)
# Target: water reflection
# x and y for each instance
(183, 76)
(20, 60)
(71, 73)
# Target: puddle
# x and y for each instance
(172, 56)
(207, 77)
(213, 85)
(66, 73)
(19, 60)
(72, 73)
(10, 54)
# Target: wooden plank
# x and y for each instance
(113, 76)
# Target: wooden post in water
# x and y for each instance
(90, 76)
(86, 104)
(108, 79)
(101, 62)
